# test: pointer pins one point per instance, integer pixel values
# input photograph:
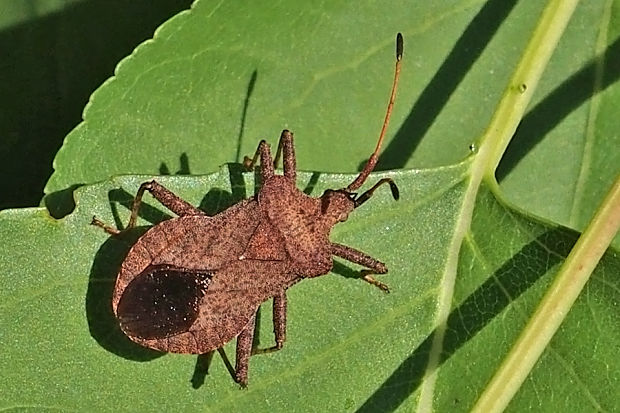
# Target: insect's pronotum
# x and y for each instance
(192, 283)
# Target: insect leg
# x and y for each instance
(244, 350)
(279, 319)
(374, 266)
(279, 324)
(286, 143)
(266, 162)
(163, 195)
(107, 228)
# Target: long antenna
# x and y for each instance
(372, 161)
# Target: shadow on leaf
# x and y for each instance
(102, 323)
(504, 286)
(558, 104)
(457, 64)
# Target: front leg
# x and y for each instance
(285, 149)
(266, 161)
(163, 195)
(374, 266)
(286, 143)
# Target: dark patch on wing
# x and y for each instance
(162, 301)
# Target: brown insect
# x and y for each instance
(192, 283)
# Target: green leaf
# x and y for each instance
(218, 78)
(349, 345)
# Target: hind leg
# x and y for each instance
(163, 195)
(244, 351)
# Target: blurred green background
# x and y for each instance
(55, 53)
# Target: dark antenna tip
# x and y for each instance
(394, 189)
(399, 46)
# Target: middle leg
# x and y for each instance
(279, 324)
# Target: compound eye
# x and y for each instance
(161, 302)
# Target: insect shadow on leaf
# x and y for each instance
(61, 203)
(244, 113)
(102, 323)
(183, 166)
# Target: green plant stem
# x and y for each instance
(493, 143)
(528, 72)
(554, 307)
